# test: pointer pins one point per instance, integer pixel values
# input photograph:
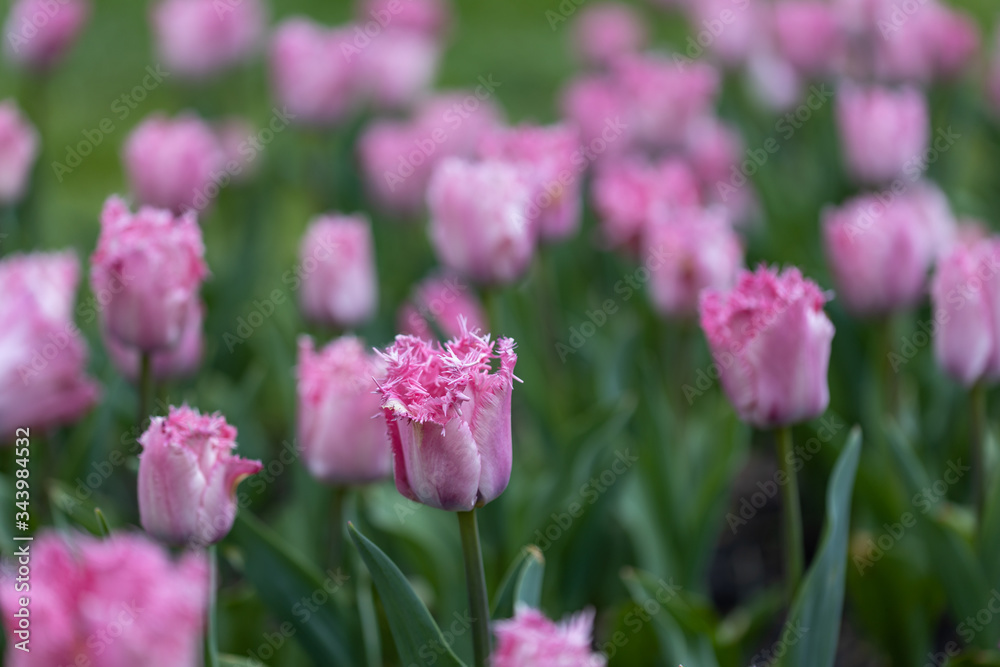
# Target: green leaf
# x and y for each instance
(810, 635)
(236, 661)
(284, 580)
(415, 632)
(102, 522)
(989, 541)
(521, 583)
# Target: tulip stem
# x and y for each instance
(792, 513)
(979, 477)
(145, 387)
(475, 579)
(211, 647)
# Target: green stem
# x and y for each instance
(145, 387)
(211, 645)
(978, 399)
(890, 377)
(335, 519)
(475, 579)
(792, 513)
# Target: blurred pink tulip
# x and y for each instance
(200, 38)
(605, 31)
(236, 138)
(181, 360)
(881, 130)
(42, 367)
(479, 219)
(731, 30)
(339, 282)
(428, 17)
(341, 428)
(934, 41)
(808, 34)
(712, 148)
(18, 151)
(39, 32)
(441, 303)
(113, 602)
(397, 68)
(594, 104)
(174, 163)
(965, 293)
(449, 419)
(149, 266)
(771, 341)
(188, 476)
(532, 640)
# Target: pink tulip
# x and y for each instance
(339, 282)
(730, 29)
(113, 602)
(237, 137)
(934, 41)
(181, 360)
(808, 34)
(342, 431)
(965, 292)
(702, 251)
(398, 68)
(713, 148)
(547, 154)
(881, 130)
(188, 476)
(773, 82)
(42, 369)
(428, 17)
(480, 224)
(880, 253)
(441, 303)
(314, 71)
(18, 152)
(449, 419)
(531, 640)
(200, 38)
(149, 267)
(771, 341)
(174, 163)
(39, 32)
(596, 106)
(606, 31)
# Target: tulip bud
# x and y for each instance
(606, 31)
(531, 640)
(147, 268)
(342, 431)
(188, 476)
(449, 419)
(39, 32)
(881, 130)
(181, 360)
(175, 164)
(18, 152)
(480, 224)
(965, 293)
(337, 267)
(771, 340)
(199, 38)
(42, 380)
(439, 305)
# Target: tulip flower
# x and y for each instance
(199, 38)
(39, 32)
(606, 31)
(117, 601)
(342, 431)
(18, 152)
(442, 303)
(42, 371)
(181, 360)
(176, 164)
(480, 225)
(339, 283)
(188, 476)
(397, 68)
(150, 266)
(531, 640)
(808, 34)
(427, 17)
(594, 104)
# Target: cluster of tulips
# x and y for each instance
(640, 143)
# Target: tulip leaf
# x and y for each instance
(413, 629)
(284, 580)
(989, 541)
(236, 661)
(521, 584)
(812, 630)
(102, 523)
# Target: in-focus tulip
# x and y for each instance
(151, 266)
(39, 32)
(771, 341)
(606, 31)
(314, 71)
(42, 368)
(965, 293)
(114, 602)
(172, 163)
(880, 254)
(339, 282)
(188, 476)
(18, 152)
(532, 640)
(480, 224)
(181, 360)
(438, 305)
(341, 428)
(449, 419)
(881, 130)
(700, 251)
(199, 38)
(428, 17)
(808, 34)
(546, 154)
